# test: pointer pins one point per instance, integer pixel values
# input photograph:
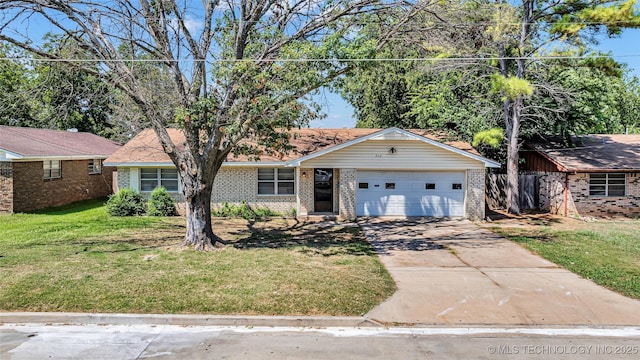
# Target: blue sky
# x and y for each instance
(625, 49)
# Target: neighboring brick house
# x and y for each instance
(344, 172)
(40, 168)
(598, 175)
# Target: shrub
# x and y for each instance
(244, 211)
(161, 203)
(126, 202)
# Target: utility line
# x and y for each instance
(278, 60)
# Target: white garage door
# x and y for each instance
(410, 193)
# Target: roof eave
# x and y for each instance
(27, 158)
(170, 164)
(11, 155)
(485, 161)
(636, 170)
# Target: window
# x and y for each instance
(52, 169)
(390, 186)
(276, 182)
(456, 186)
(95, 166)
(430, 186)
(363, 185)
(153, 178)
(607, 184)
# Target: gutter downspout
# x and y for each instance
(297, 191)
(566, 193)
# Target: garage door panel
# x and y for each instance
(410, 195)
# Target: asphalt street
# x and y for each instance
(32, 341)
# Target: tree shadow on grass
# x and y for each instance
(310, 238)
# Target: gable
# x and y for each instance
(383, 153)
(436, 155)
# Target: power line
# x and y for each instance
(277, 60)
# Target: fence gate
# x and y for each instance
(497, 191)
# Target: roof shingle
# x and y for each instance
(33, 143)
(145, 147)
(594, 153)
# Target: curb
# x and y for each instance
(184, 320)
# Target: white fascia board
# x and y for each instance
(139, 164)
(9, 156)
(53, 157)
(487, 162)
(255, 164)
(170, 164)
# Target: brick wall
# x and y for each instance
(580, 203)
(124, 178)
(586, 205)
(6, 187)
(233, 185)
(32, 192)
(305, 193)
(551, 188)
(474, 199)
(347, 197)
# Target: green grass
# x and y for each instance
(80, 259)
(606, 252)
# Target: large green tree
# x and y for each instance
(38, 93)
(237, 69)
(16, 104)
(488, 65)
(541, 24)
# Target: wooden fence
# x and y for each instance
(497, 191)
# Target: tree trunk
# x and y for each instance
(200, 234)
(514, 117)
(513, 184)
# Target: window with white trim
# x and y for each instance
(276, 181)
(52, 169)
(153, 178)
(95, 166)
(606, 184)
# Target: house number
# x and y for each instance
(378, 155)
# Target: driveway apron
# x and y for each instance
(454, 272)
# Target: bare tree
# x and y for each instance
(235, 69)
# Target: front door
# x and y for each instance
(323, 190)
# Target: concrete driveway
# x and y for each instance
(454, 272)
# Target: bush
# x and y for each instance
(126, 202)
(161, 203)
(244, 211)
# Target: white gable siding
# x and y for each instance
(410, 154)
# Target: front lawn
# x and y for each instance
(80, 259)
(604, 251)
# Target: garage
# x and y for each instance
(410, 193)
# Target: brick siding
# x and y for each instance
(6, 188)
(305, 193)
(474, 199)
(580, 203)
(244, 182)
(551, 188)
(31, 191)
(123, 178)
(347, 197)
(586, 205)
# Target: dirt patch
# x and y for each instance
(534, 220)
